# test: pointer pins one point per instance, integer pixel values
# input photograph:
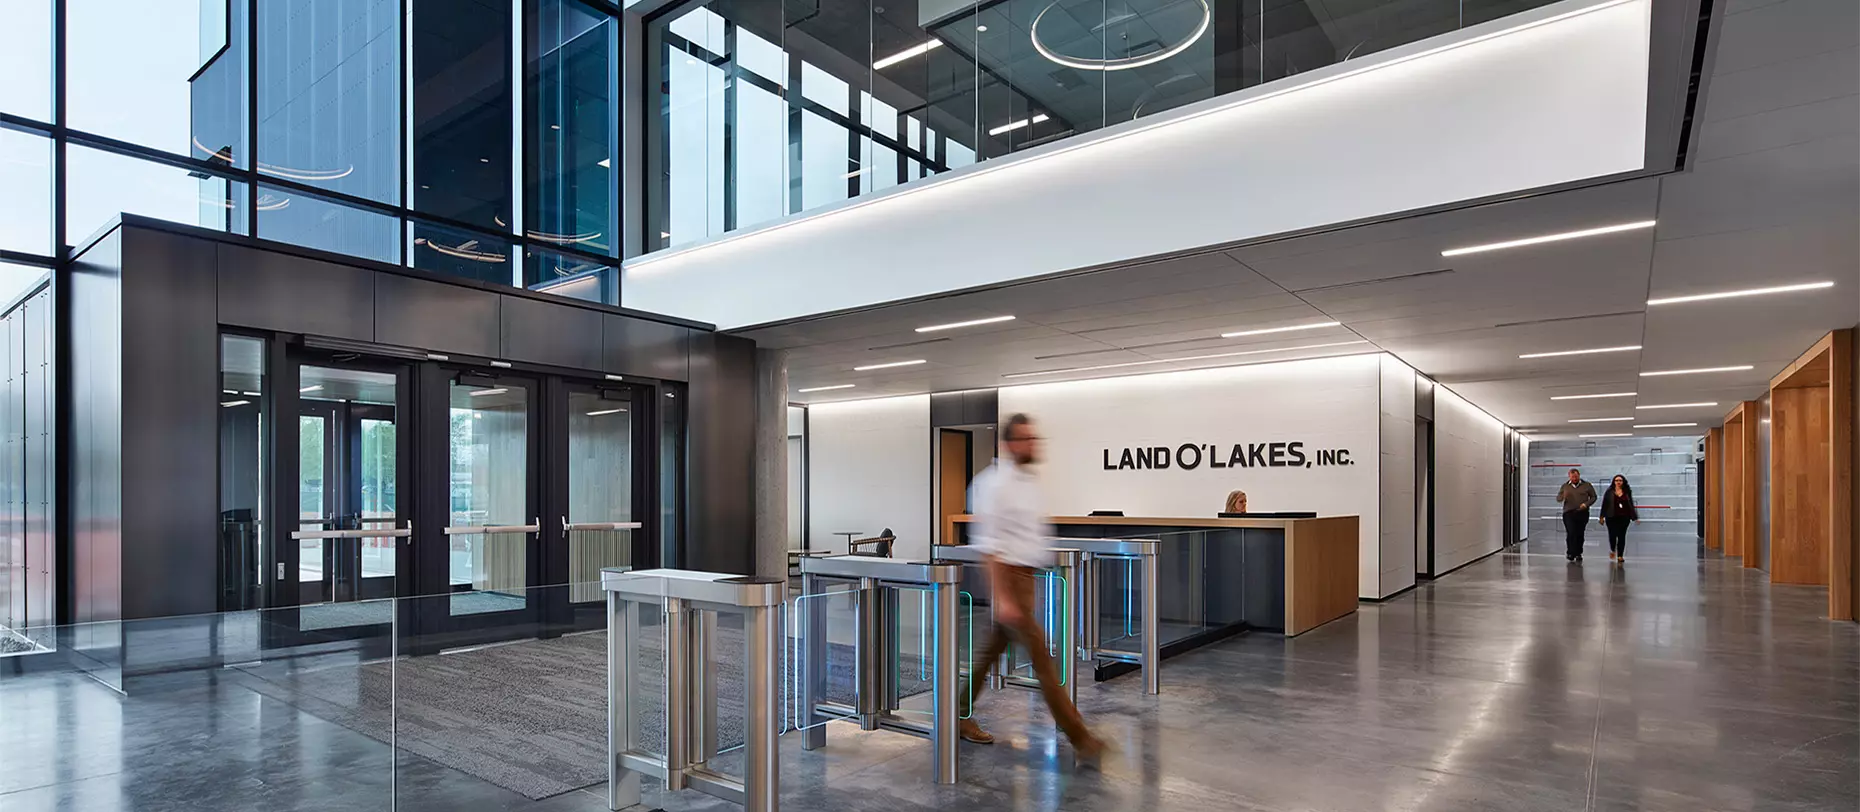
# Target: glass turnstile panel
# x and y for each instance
(912, 664)
(1049, 598)
(831, 664)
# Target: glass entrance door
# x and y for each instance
(600, 528)
(348, 529)
(492, 524)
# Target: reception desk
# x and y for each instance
(1222, 576)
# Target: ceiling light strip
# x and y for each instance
(1621, 434)
(1601, 419)
(1567, 235)
(1733, 294)
(1561, 353)
(1293, 328)
(827, 388)
(971, 323)
(1698, 371)
(1185, 359)
(1664, 425)
(915, 50)
(1591, 397)
(890, 365)
(1699, 405)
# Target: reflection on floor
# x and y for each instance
(1521, 682)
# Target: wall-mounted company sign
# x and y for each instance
(1190, 456)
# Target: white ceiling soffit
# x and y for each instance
(1550, 96)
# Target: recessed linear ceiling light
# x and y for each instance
(1567, 235)
(827, 388)
(953, 325)
(1664, 425)
(1700, 404)
(1281, 329)
(1600, 419)
(1179, 360)
(890, 365)
(1588, 397)
(234, 403)
(1561, 353)
(1732, 294)
(311, 388)
(480, 392)
(606, 412)
(1622, 434)
(914, 50)
(1015, 125)
(1658, 373)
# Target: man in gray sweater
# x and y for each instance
(1576, 496)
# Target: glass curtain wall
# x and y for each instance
(466, 137)
(759, 109)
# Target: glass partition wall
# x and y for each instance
(761, 109)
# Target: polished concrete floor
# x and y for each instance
(1521, 682)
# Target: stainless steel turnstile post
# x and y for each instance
(688, 603)
(1093, 554)
(1066, 615)
(875, 648)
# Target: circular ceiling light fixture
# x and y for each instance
(1124, 63)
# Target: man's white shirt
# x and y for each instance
(1010, 515)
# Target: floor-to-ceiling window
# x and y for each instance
(470, 138)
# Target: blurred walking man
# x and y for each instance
(1011, 527)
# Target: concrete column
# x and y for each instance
(771, 554)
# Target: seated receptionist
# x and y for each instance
(1236, 502)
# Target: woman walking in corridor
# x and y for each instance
(1617, 510)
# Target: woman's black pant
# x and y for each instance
(1617, 534)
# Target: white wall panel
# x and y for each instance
(1548, 96)
(1469, 490)
(868, 468)
(1325, 404)
(1395, 556)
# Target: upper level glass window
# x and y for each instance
(159, 73)
(463, 109)
(569, 86)
(101, 185)
(329, 95)
(26, 58)
(760, 109)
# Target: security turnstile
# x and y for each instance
(876, 700)
(688, 604)
(1094, 556)
(1061, 586)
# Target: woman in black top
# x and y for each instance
(1617, 510)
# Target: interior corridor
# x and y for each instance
(1517, 683)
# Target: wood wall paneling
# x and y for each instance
(1713, 469)
(1733, 484)
(1747, 485)
(1799, 473)
(1320, 571)
(1811, 472)
(952, 479)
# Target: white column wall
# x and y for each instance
(1469, 488)
(1394, 562)
(868, 468)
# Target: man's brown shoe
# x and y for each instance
(972, 732)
